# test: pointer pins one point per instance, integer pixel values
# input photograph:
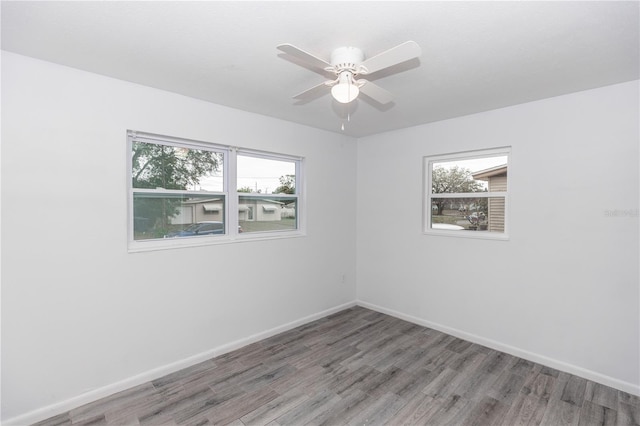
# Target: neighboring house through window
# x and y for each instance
(466, 194)
(181, 193)
(268, 192)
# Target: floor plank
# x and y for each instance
(360, 367)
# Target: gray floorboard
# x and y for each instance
(360, 367)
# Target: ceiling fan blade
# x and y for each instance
(375, 92)
(306, 57)
(395, 55)
(315, 91)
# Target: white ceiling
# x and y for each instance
(476, 56)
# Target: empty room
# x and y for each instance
(336, 213)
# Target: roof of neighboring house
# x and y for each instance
(210, 200)
(266, 200)
(487, 173)
(201, 200)
(260, 201)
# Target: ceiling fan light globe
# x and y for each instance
(345, 92)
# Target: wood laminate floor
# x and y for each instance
(360, 367)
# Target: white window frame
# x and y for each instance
(299, 185)
(229, 193)
(429, 161)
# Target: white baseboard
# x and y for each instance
(87, 397)
(102, 392)
(530, 356)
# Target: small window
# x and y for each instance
(268, 193)
(466, 194)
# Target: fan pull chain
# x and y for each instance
(346, 106)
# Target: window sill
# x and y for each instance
(478, 235)
(186, 242)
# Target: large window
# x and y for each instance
(466, 194)
(184, 193)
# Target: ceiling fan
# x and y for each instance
(347, 64)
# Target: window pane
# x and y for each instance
(179, 215)
(266, 176)
(471, 214)
(256, 214)
(174, 167)
(472, 175)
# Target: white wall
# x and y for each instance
(80, 313)
(566, 290)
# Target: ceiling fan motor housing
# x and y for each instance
(346, 58)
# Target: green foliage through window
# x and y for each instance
(171, 167)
